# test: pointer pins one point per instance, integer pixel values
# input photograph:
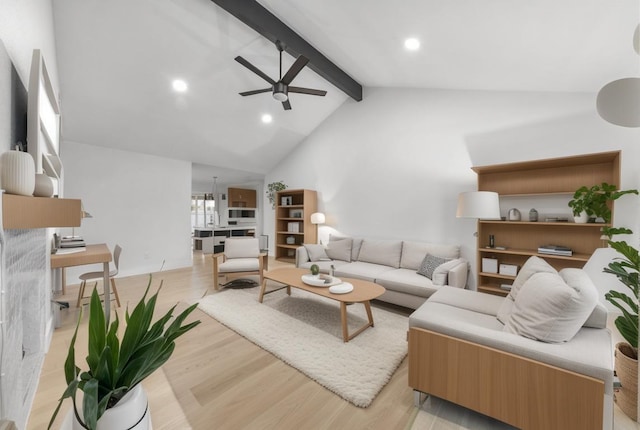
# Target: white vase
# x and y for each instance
(131, 413)
(44, 186)
(17, 173)
(582, 218)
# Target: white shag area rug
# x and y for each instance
(304, 331)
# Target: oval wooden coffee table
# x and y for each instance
(363, 292)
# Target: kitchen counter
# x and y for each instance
(211, 239)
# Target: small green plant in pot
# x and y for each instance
(594, 200)
(272, 191)
(117, 366)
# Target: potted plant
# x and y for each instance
(627, 270)
(593, 201)
(117, 366)
(272, 190)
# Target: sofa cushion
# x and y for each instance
(531, 266)
(470, 300)
(429, 264)
(361, 270)
(577, 277)
(339, 249)
(406, 281)
(356, 243)
(385, 252)
(413, 253)
(316, 252)
(549, 309)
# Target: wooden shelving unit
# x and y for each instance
(288, 204)
(23, 212)
(540, 178)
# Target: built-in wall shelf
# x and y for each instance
(517, 241)
(23, 212)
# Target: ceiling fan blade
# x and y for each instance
(254, 69)
(309, 91)
(286, 105)
(250, 93)
(294, 69)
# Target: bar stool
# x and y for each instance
(96, 276)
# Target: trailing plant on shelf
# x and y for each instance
(272, 191)
(594, 200)
(117, 366)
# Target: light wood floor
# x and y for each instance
(246, 387)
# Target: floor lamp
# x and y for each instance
(317, 218)
(478, 205)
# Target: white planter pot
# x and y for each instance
(17, 173)
(582, 218)
(131, 412)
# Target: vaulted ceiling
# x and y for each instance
(118, 58)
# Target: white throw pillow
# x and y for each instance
(549, 310)
(316, 252)
(531, 266)
(442, 271)
(339, 250)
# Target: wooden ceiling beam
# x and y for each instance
(254, 15)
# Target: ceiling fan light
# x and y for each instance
(280, 96)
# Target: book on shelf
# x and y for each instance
(555, 250)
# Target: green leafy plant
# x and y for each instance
(272, 190)
(117, 366)
(627, 270)
(594, 200)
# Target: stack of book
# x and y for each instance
(72, 242)
(555, 250)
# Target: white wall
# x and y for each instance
(141, 202)
(26, 25)
(392, 165)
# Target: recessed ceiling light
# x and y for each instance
(179, 85)
(266, 118)
(412, 44)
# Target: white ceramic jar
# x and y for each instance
(44, 186)
(17, 173)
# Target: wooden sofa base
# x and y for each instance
(519, 391)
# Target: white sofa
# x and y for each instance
(391, 263)
(460, 350)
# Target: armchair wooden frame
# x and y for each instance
(216, 263)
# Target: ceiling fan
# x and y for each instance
(281, 88)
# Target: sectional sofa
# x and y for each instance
(394, 264)
(541, 358)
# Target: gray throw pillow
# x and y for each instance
(339, 250)
(429, 264)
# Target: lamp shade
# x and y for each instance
(478, 204)
(317, 218)
(618, 102)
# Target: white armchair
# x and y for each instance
(241, 257)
